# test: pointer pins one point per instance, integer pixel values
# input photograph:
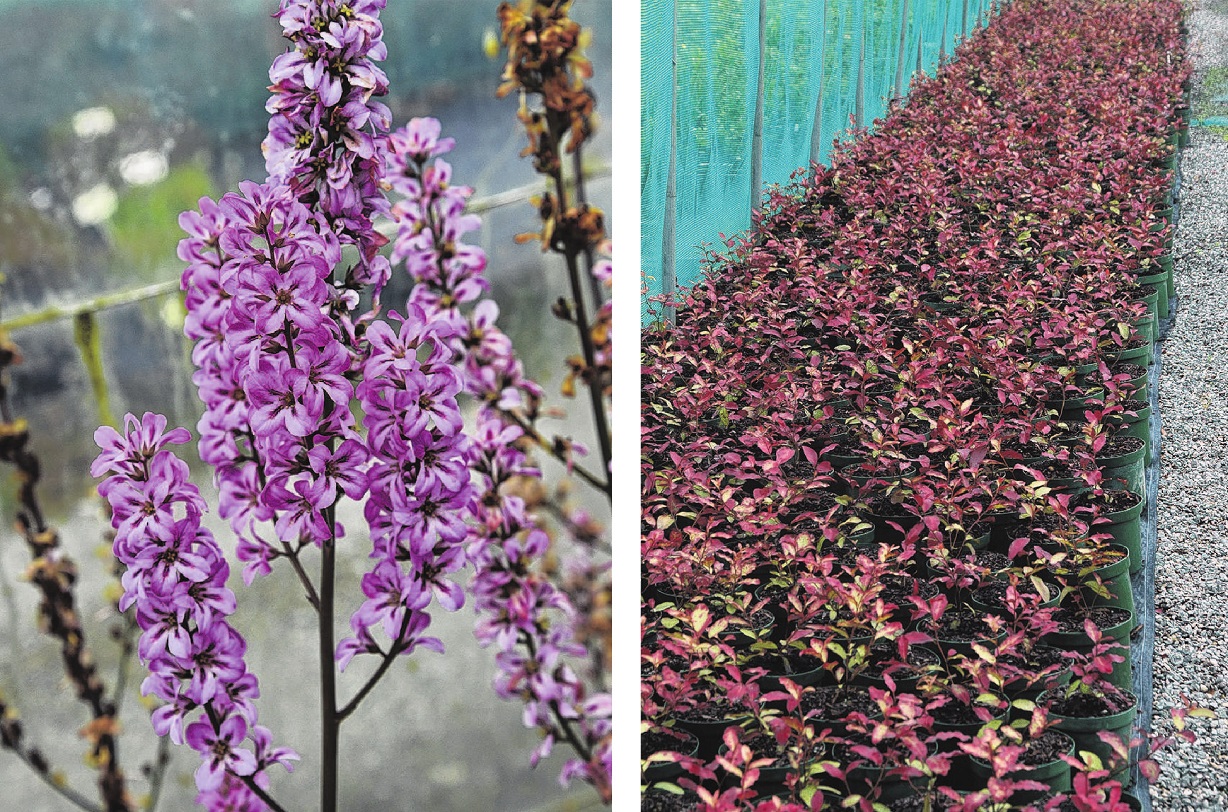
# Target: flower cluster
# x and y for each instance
(420, 489)
(271, 367)
(325, 130)
(527, 618)
(176, 579)
(522, 612)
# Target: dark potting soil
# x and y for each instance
(784, 664)
(1121, 444)
(1037, 659)
(758, 621)
(675, 662)
(717, 710)
(1128, 368)
(883, 506)
(766, 747)
(835, 702)
(1044, 750)
(1028, 450)
(992, 561)
(962, 626)
(1105, 617)
(914, 803)
(1057, 469)
(1110, 501)
(957, 713)
(994, 593)
(884, 655)
(660, 741)
(898, 588)
(1090, 705)
(662, 801)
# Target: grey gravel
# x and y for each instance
(1191, 575)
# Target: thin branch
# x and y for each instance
(312, 597)
(158, 772)
(262, 795)
(389, 656)
(125, 659)
(533, 434)
(69, 794)
(577, 169)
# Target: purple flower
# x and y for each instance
(127, 453)
(220, 748)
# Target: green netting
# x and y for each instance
(813, 55)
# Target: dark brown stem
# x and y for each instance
(577, 168)
(329, 722)
(55, 577)
(596, 396)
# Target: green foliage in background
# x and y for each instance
(145, 227)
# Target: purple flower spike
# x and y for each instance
(176, 580)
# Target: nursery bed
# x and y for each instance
(931, 329)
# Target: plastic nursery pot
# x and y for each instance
(991, 598)
(1133, 425)
(858, 481)
(884, 516)
(960, 628)
(1122, 463)
(1138, 351)
(1137, 385)
(1146, 325)
(1150, 296)
(709, 722)
(1160, 281)
(1123, 511)
(1037, 660)
(828, 706)
(760, 625)
(666, 740)
(1113, 621)
(1115, 577)
(1083, 716)
(841, 458)
(802, 669)
(1055, 774)
(959, 718)
(765, 747)
(921, 660)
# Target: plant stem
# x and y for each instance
(69, 794)
(158, 772)
(391, 655)
(580, 317)
(533, 434)
(303, 577)
(328, 671)
(586, 342)
(577, 168)
(262, 795)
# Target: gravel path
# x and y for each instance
(1191, 575)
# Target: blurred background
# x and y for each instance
(118, 115)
